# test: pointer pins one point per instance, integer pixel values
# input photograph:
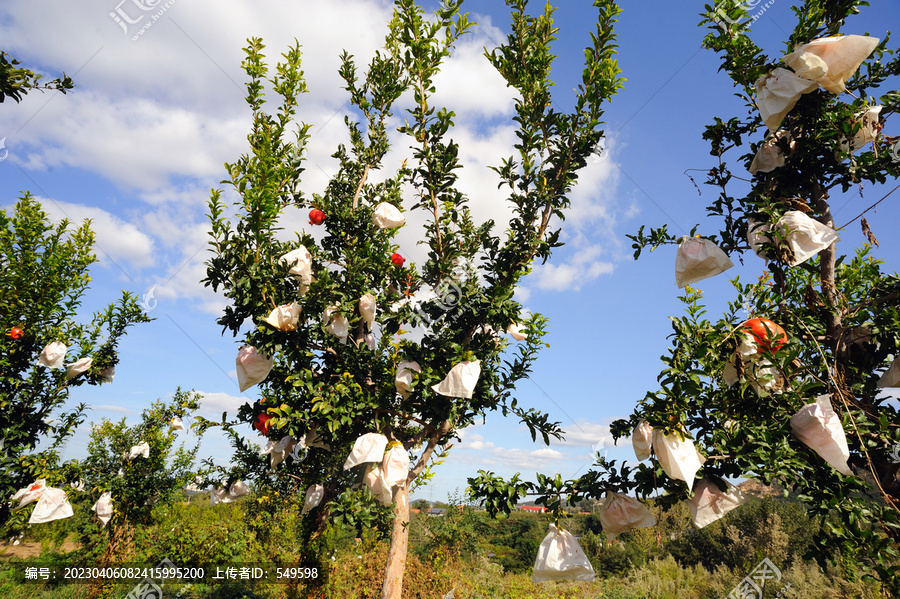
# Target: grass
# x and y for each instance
(448, 554)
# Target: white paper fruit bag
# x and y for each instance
(699, 259)
(561, 558)
(620, 513)
(641, 440)
(460, 381)
(819, 428)
(367, 448)
(252, 366)
(677, 456)
(709, 503)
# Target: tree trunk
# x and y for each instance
(118, 549)
(396, 562)
(827, 262)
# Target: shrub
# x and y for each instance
(763, 528)
(193, 534)
(517, 546)
(667, 579)
(455, 534)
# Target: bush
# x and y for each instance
(454, 535)
(192, 534)
(609, 559)
(763, 528)
(517, 546)
(667, 579)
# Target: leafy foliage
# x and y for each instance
(43, 279)
(139, 484)
(16, 81)
(841, 315)
(438, 313)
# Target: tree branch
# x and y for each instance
(426, 455)
(360, 186)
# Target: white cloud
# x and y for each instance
(159, 117)
(134, 142)
(468, 84)
(171, 104)
(583, 267)
(473, 449)
(216, 403)
(185, 264)
(117, 241)
(111, 408)
(584, 433)
(523, 459)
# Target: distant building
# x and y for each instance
(533, 508)
(436, 511)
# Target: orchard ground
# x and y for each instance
(462, 551)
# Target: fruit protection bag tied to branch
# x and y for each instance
(238, 489)
(677, 455)
(300, 262)
(393, 471)
(285, 318)
(641, 440)
(278, 452)
(709, 503)
(30, 493)
(461, 380)
(777, 93)
(387, 216)
(53, 355)
(367, 448)
(252, 367)
(313, 498)
(831, 61)
(103, 507)
(404, 378)
(560, 557)
(377, 483)
(891, 378)
(141, 450)
(620, 513)
(79, 366)
(819, 428)
(53, 505)
(699, 259)
(804, 236)
(770, 155)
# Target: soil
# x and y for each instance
(26, 550)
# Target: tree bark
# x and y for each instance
(392, 588)
(827, 261)
(396, 562)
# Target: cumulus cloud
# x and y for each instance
(112, 408)
(474, 449)
(213, 404)
(583, 433)
(118, 242)
(159, 116)
(581, 268)
(135, 142)
(469, 84)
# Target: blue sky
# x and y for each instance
(144, 136)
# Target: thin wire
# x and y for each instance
(870, 207)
